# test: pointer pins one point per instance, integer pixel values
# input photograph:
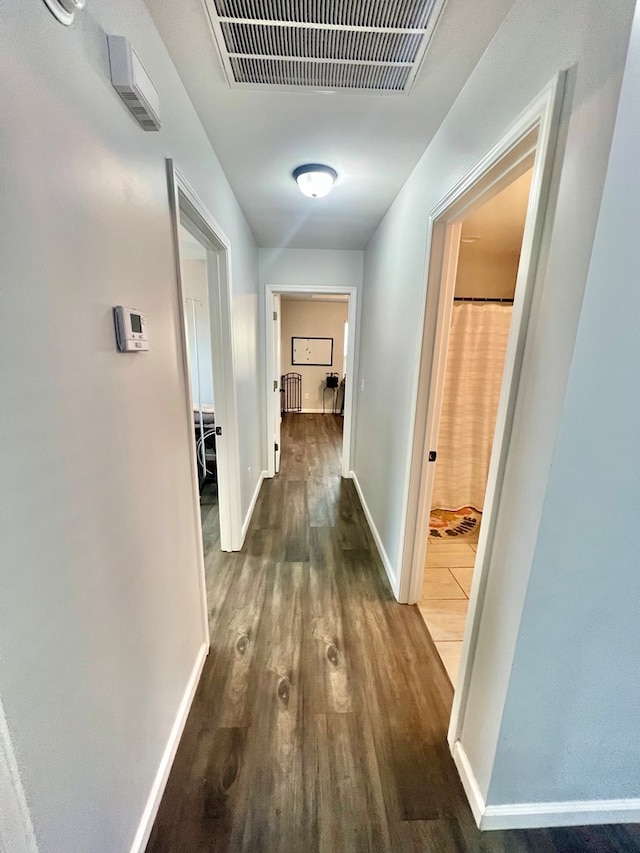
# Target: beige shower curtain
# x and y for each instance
(475, 362)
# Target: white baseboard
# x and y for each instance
(469, 782)
(313, 412)
(386, 562)
(252, 506)
(539, 815)
(159, 783)
(567, 813)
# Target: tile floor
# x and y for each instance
(445, 596)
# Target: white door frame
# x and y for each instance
(276, 306)
(16, 828)
(184, 200)
(533, 135)
(352, 316)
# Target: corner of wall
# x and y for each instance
(252, 506)
(386, 562)
(150, 812)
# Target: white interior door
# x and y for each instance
(277, 409)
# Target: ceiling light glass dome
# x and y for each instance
(314, 179)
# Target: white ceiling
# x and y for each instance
(373, 141)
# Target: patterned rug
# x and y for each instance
(459, 522)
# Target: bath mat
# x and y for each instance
(445, 523)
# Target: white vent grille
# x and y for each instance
(341, 45)
(133, 84)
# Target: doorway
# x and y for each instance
(480, 313)
(205, 340)
(316, 366)
(195, 288)
(529, 144)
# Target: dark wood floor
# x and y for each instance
(210, 526)
(320, 721)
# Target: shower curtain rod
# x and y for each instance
(482, 299)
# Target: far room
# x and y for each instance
(311, 360)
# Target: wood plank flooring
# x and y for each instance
(319, 725)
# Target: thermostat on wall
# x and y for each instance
(131, 329)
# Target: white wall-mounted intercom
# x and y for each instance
(131, 329)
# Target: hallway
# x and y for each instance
(320, 720)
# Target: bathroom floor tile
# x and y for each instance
(445, 619)
(464, 576)
(446, 555)
(440, 583)
(450, 653)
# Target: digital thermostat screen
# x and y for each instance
(136, 323)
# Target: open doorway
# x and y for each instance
(310, 361)
(310, 358)
(206, 355)
(196, 307)
(489, 248)
(529, 145)
(311, 346)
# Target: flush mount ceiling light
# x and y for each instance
(314, 179)
(65, 10)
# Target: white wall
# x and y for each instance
(572, 715)
(337, 267)
(100, 619)
(319, 319)
(393, 299)
(486, 274)
(195, 287)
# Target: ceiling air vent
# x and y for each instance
(336, 45)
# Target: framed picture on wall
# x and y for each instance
(314, 352)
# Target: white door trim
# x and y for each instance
(352, 317)
(16, 828)
(276, 305)
(496, 169)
